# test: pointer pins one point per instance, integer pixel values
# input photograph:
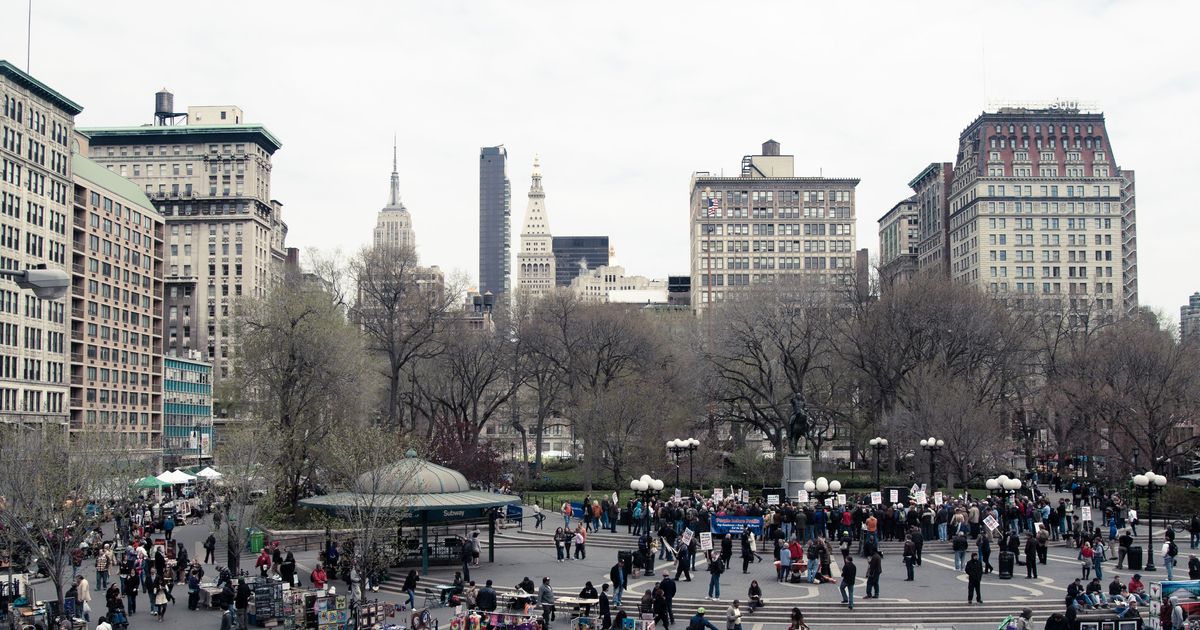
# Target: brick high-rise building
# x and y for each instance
(211, 180)
(767, 223)
(36, 189)
(1039, 206)
(116, 309)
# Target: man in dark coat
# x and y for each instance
(974, 577)
(668, 587)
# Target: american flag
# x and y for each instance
(714, 205)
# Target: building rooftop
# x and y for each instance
(909, 201)
(19, 76)
(708, 177)
(120, 135)
(85, 168)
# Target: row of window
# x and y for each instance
(32, 401)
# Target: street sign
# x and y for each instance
(876, 498)
(706, 540)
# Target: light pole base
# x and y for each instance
(797, 469)
(1149, 567)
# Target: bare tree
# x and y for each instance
(49, 491)
(243, 457)
(402, 309)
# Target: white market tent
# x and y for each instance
(174, 477)
(209, 473)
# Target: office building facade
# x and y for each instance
(610, 283)
(116, 309)
(535, 261)
(767, 224)
(899, 237)
(931, 198)
(36, 192)
(575, 255)
(1189, 318)
(495, 210)
(225, 235)
(1039, 207)
(188, 434)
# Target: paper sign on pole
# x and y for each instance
(802, 496)
(745, 496)
(1085, 513)
(706, 540)
(686, 537)
(991, 522)
(938, 498)
(919, 497)
(829, 502)
(876, 498)
(841, 499)
(772, 499)
(718, 494)
(894, 496)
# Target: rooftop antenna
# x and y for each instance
(983, 63)
(29, 37)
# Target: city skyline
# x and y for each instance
(611, 125)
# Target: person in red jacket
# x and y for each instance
(263, 562)
(318, 577)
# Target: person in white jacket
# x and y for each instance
(733, 616)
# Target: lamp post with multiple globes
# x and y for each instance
(932, 445)
(877, 443)
(677, 448)
(1151, 483)
(1008, 487)
(646, 488)
(823, 487)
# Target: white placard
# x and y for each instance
(991, 522)
(718, 494)
(919, 497)
(876, 498)
(706, 540)
(894, 496)
(802, 496)
(914, 489)
(772, 499)
(938, 498)
(745, 496)
(678, 494)
(686, 536)
(829, 502)
(1085, 513)
(841, 499)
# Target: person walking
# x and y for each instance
(605, 608)
(617, 576)
(104, 561)
(959, 544)
(715, 569)
(546, 600)
(849, 572)
(984, 546)
(910, 557)
(683, 561)
(669, 589)
(210, 546)
(1169, 551)
(241, 601)
(160, 601)
(410, 588)
(1085, 559)
(733, 616)
(1031, 559)
(874, 570)
(580, 539)
(566, 512)
(698, 622)
(974, 572)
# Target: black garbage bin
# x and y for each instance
(625, 557)
(1007, 559)
(1134, 557)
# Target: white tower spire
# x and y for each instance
(535, 259)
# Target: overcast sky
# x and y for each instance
(623, 101)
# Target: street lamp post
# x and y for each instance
(1008, 487)
(932, 445)
(47, 284)
(878, 444)
(677, 447)
(822, 487)
(646, 488)
(1150, 483)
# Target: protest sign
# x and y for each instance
(876, 498)
(706, 541)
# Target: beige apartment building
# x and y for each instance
(36, 190)
(535, 259)
(609, 283)
(767, 223)
(1039, 206)
(899, 236)
(116, 308)
(210, 178)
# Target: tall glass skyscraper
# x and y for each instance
(495, 240)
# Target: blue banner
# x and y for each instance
(737, 524)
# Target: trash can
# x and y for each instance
(1007, 559)
(254, 539)
(1134, 557)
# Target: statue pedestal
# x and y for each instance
(796, 470)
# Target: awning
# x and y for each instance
(150, 482)
(433, 507)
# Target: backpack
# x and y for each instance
(1172, 549)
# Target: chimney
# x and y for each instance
(770, 147)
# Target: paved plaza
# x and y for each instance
(937, 597)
